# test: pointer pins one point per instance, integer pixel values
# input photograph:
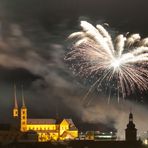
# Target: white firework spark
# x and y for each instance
(123, 60)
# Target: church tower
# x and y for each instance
(23, 114)
(15, 109)
(130, 131)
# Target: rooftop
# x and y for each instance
(41, 121)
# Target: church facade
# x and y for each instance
(47, 129)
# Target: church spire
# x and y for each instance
(15, 99)
(15, 109)
(23, 114)
(23, 101)
(130, 117)
(131, 131)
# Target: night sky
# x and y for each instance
(33, 43)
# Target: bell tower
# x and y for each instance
(130, 131)
(15, 109)
(23, 114)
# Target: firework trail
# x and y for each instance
(120, 64)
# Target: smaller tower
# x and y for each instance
(23, 114)
(130, 131)
(15, 109)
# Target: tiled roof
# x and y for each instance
(41, 121)
(70, 122)
(73, 128)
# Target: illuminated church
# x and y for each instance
(47, 129)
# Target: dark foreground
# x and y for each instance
(76, 144)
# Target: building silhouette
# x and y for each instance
(130, 131)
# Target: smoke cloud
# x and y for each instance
(113, 115)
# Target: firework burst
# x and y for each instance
(122, 62)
